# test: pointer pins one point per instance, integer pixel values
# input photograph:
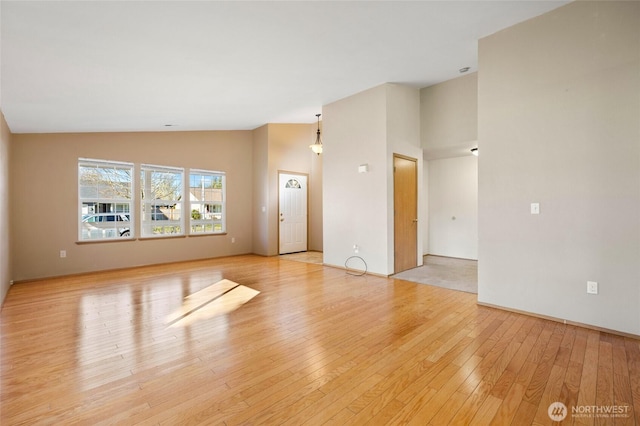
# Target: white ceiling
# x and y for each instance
(137, 66)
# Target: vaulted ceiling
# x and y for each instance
(85, 66)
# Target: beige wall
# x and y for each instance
(449, 117)
(449, 129)
(558, 124)
(315, 198)
(44, 187)
(261, 191)
(355, 204)
(403, 137)
(366, 128)
(284, 147)
(289, 152)
(5, 229)
(44, 198)
(453, 207)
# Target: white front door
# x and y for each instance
(292, 213)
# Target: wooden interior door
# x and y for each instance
(405, 205)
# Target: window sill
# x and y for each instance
(112, 240)
(161, 237)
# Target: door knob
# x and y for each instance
(282, 219)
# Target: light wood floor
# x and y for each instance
(269, 341)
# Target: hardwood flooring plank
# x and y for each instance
(545, 364)
(446, 388)
(506, 413)
(622, 395)
(571, 385)
(449, 409)
(633, 358)
(399, 379)
(472, 404)
(566, 347)
(486, 412)
(265, 340)
(589, 377)
(333, 404)
(335, 388)
(551, 393)
(525, 413)
(604, 380)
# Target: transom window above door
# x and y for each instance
(293, 183)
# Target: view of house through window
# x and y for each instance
(105, 203)
(162, 201)
(206, 198)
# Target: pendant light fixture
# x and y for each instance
(317, 146)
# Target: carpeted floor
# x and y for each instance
(447, 272)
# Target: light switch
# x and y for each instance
(535, 208)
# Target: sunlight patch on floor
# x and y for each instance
(220, 298)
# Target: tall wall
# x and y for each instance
(453, 207)
(355, 204)
(261, 215)
(284, 147)
(289, 152)
(449, 117)
(315, 198)
(5, 228)
(403, 137)
(44, 198)
(366, 128)
(558, 124)
(449, 129)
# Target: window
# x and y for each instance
(207, 202)
(293, 183)
(162, 201)
(104, 195)
(106, 206)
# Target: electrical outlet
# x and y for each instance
(592, 287)
(63, 253)
(356, 249)
(233, 240)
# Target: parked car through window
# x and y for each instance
(105, 225)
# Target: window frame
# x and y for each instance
(124, 232)
(144, 223)
(223, 205)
